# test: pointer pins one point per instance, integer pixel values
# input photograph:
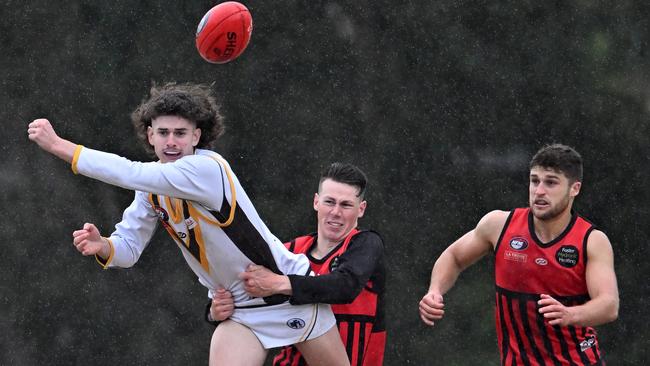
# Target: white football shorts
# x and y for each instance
(284, 324)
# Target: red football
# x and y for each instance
(224, 32)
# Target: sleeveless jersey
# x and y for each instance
(525, 268)
(360, 323)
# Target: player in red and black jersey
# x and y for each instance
(348, 266)
(554, 271)
(357, 304)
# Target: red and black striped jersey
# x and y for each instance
(351, 278)
(525, 267)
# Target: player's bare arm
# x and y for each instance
(601, 283)
(261, 282)
(42, 133)
(456, 258)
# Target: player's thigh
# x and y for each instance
(326, 350)
(236, 345)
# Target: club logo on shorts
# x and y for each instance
(295, 323)
(518, 243)
(567, 256)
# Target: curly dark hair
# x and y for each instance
(561, 158)
(194, 102)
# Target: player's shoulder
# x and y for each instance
(368, 234)
(368, 238)
(203, 161)
(491, 224)
(495, 218)
(598, 239)
(202, 156)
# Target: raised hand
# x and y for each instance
(42, 133)
(89, 241)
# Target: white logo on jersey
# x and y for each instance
(190, 223)
(514, 256)
(587, 343)
(541, 261)
(518, 243)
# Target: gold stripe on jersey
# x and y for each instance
(193, 213)
(199, 239)
(175, 209)
(233, 195)
(75, 158)
(166, 225)
(175, 212)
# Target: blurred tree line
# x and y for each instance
(441, 103)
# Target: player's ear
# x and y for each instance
(150, 135)
(315, 201)
(362, 208)
(196, 136)
(575, 189)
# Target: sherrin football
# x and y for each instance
(224, 32)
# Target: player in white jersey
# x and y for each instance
(194, 194)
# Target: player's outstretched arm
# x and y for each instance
(42, 133)
(456, 258)
(89, 241)
(601, 283)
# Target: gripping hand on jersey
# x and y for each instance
(88, 241)
(431, 308)
(222, 305)
(261, 282)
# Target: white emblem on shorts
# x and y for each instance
(295, 323)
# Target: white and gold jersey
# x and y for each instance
(201, 203)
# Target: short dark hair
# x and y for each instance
(194, 102)
(561, 158)
(346, 174)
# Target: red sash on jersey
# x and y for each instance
(364, 345)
